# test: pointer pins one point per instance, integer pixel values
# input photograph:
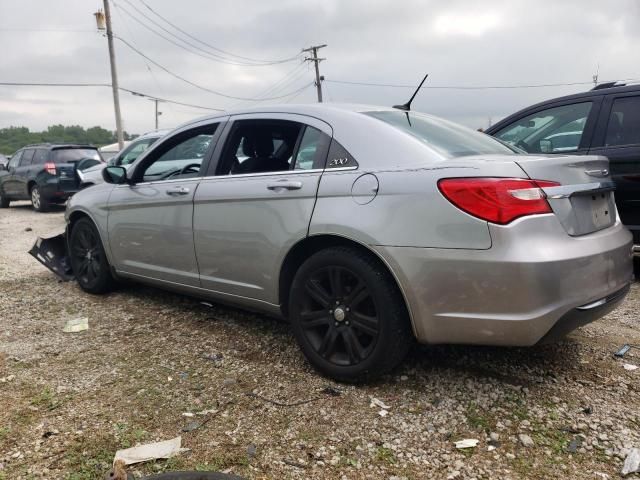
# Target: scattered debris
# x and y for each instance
(629, 366)
(467, 443)
(632, 462)
(216, 358)
(28, 229)
(194, 425)
(251, 450)
(587, 410)
(331, 391)
(293, 463)
(525, 440)
(150, 451)
(187, 414)
(7, 379)
(76, 325)
(207, 412)
(383, 413)
(282, 404)
(378, 403)
(574, 445)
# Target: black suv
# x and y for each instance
(604, 121)
(45, 173)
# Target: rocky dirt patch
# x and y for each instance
(70, 400)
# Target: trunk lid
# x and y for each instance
(584, 201)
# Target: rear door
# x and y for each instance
(257, 201)
(9, 186)
(618, 138)
(22, 173)
(150, 221)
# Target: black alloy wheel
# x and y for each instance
(348, 315)
(88, 260)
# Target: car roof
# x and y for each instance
(153, 134)
(57, 146)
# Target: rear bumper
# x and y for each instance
(533, 278)
(54, 189)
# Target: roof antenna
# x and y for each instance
(407, 106)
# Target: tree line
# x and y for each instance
(13, 138)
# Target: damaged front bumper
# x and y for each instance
(52, 252)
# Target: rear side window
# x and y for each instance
(13, 163)
(68, 155)
(27, 156)
(40, 157)
(312, 151)
(624, 122)
(554, 130)
(447, 138)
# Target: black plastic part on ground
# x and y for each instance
(52, 253)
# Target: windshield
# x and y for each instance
(447, 138)
(67, 155)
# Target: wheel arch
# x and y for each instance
(78, 214)
(30, 185)
(313, 244)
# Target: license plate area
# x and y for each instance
(593, 211)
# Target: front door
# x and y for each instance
(150, 220)
(21, 176)
(257, 202)
(618, 138)
(9, 185)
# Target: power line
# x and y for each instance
(271, 62)
(205, 54)
(140, 94)
(200, 87)
(467, 87)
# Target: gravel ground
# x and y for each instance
(70, 400)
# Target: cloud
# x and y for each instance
(459, 42)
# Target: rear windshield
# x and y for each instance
(66, 155)
(447, 138)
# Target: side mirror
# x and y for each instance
(546, 146)
(116, 175)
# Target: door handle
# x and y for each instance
(286, 184)
(177, 191)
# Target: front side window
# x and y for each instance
(27, 156)
(624, 122)
(554, 130)
(13, 163)
(447, 138)
(259, 146)
(180, 156)
(133, 151)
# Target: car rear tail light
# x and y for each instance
(497, 200)
(50, 168)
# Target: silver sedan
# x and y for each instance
(367, 228)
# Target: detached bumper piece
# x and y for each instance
(52, 253)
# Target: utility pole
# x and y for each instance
(316, 61)
(156, 100)
(102, 20)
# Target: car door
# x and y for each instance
(8, 179)
(257, 201)
(21, 175)
(557, 128)
(150, 220)
(618, 138)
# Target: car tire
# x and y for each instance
(88, 259)
(39, 203)
(4, 201)
(348, 315)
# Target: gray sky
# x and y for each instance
(458, 42)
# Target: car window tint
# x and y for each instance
(447, 138)
(624, 123)
(134, 150)
(13, 163)
(40, 157)
(73, 155)
(181, 156)
(312, 150)
(554, 130)
(259, 146)
(339, 157)
(27, 156)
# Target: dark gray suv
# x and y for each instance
(45, 174)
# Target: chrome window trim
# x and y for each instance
(157, 182)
